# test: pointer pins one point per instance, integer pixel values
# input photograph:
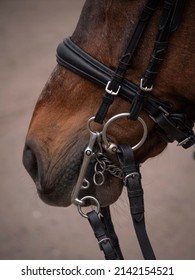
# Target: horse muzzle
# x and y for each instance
(53, 177)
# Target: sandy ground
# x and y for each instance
(29, 229)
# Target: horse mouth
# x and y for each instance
(56, 174)
(60, 179)
(63, 176)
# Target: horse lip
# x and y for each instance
(55, 186)
(57, 178)
(58, 194)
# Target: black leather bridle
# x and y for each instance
(170, 126)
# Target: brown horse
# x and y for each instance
(57, 134)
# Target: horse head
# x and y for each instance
(58, 135)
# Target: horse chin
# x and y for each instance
(60, 195)
(110, 193)
(107, 193)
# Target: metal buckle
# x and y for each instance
(103, 240)
(183, 142)
(164, 111)
(110, 91)
(132, 174)
(144, 88)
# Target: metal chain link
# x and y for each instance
(107, 165)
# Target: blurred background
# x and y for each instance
(30, 31)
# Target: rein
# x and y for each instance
(170, 126)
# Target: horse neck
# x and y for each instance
(105, 28)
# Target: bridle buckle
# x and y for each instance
(185, 141)
(103, 240)
(145, 88)
(110, 91)
(130, 175)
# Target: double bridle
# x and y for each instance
(170, 126)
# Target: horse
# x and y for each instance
(142, 53)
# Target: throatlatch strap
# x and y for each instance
(135, 195)
(104, 241)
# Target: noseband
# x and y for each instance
(170, 126)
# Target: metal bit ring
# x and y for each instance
(90, 120)
(91, 198)
(114, 147)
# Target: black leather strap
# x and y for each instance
(169, 22)
(104, 241)
(69, 55)
(72, 57)
(135, 195)
(107, 221)
(119, 74)
(176, 126)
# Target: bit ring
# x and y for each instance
(92, 199)
(135, 147)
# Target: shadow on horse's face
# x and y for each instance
(57, 137)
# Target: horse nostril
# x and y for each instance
(30, 162)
